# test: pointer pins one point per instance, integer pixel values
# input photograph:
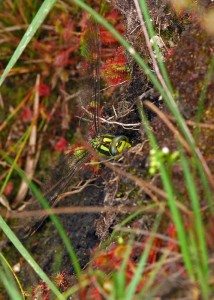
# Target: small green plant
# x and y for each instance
(167, 157)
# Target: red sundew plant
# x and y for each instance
(26, 114)
(112, 259)
(40, 291)
(114, 70)
(154, 251)
(114, 18)
(61, 280)
(171, 245)
(44, 90)
(110, 263)
(55, 58)
(92, 291)
(63, 60)
(61, 144)
(170, 53)
(107, 263)
(9, 188)
(54, 55)
(68, 39)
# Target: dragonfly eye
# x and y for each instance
(119, 144)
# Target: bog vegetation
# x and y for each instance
(106, 125)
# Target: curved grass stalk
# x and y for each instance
(12, 237)
(4, 260)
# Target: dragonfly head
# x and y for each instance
(110, 145)
(119, 144)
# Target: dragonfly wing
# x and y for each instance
(91, 49)
(68, 165)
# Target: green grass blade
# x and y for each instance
(131, 288)
(9, 286)
(125, 222)
(37, 21)
(207, 189)
(145, 13)
(200, 110)
(12, 237)
(168, 186)
(53, 217)
(202, 280)
(151, 279)
(8, 266)
(120, 276)
(201, 101)
(200, 251)
(20, 149)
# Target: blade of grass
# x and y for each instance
(201, 253)
(201, 101)
(21, 148)
(165, 81)
(12, 237)
(202, 280)
(207, 189)
(131, 288)
(15, 110)
(75, 288)
(4, 260)
(120, 276)
(9, 286)
(37, 21)
(24, 139)
(53, 217)
(152, 275)
(171, 200)
(123, 223)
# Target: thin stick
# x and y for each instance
(165, 119)
(30, 164)
(77, 210)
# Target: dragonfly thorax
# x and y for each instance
(110, 145)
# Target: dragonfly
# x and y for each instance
(105, 144)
